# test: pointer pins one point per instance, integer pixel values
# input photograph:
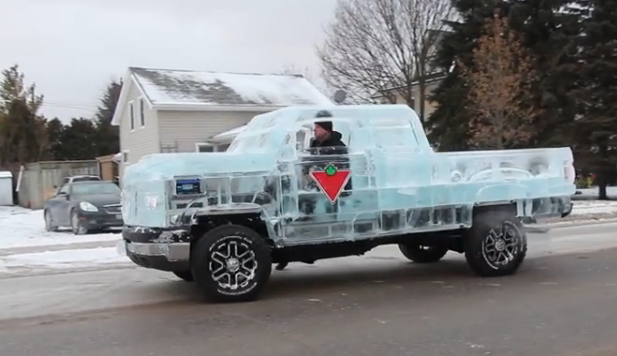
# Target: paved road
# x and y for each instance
(556, 306)
(379, 305)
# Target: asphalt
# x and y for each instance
(555, 305)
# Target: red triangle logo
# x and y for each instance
(331, 181)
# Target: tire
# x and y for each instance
(231, 263)
(49, 223)
(184, 275)
(496, 244)
(76, 226)
(422, 254)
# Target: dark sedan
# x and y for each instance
(84, 206)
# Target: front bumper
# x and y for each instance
(100, 220)
(165, 250)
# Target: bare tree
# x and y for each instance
(499, 83)
(309, 75)
(381, 47)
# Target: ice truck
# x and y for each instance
(222, 219)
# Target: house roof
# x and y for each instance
(189, 87)
(200, 90)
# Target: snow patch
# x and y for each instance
(588, 207)
(64, 259)
(21, 227)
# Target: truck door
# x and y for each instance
(320, 195)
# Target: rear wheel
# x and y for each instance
(496, 244)
(422, 254)
(231, 263)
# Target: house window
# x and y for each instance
(222, 148)
(204, 147)
(132, 115)
(125, 156)
(142, 114)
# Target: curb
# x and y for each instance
(541, 228)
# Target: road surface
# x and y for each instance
(377, 305)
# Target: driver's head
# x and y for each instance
(322, 129)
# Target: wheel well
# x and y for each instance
(510, 207)
(253, 221)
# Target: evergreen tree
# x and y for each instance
(549, 30)
(499, 88)
(597, 94)
(79, 140)
(55, 130)
(448, 126)
(108, 141)
(23, 138)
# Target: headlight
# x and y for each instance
(85, 206)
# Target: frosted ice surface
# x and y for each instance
(398, 183)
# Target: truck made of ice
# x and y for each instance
(222, 219)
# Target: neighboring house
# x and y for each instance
(224, 139)
(161, 110)
(393, 95)
(432, 79)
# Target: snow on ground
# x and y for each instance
(594, 192)
(64, 259)
(589, 207)
(21, 227)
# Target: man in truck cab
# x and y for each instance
(326, 142)
(325, 136)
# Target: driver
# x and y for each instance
(325, 136)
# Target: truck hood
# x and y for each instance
(170, 165)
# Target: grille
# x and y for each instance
(113, 208)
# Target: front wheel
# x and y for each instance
(76, 225)
(496, 244)
(231, 263)
(422, 254)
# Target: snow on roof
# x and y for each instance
(164, 86)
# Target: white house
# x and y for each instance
(163, 110)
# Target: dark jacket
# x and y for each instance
(333, 146)
(334, 140)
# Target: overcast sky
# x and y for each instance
(72, 48)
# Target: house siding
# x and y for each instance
(181, 130)
(429, 106)
(140, 141)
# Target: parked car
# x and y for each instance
(80, 178)
(84, 206)
(224, 218)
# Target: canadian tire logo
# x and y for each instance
(331, 181)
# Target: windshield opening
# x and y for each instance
(95, 188)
